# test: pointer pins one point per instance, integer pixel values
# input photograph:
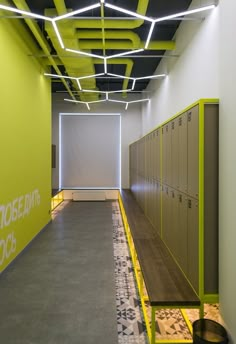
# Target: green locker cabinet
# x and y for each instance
(174, 174)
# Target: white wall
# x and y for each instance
(130, 129)
(227, 214)
(191, 76)
(206, 69)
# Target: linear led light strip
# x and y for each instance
(82, 10)
(109, 74)
(180, 14)
(31, 14)
(78, 101)
(116, 8)
(109, 100)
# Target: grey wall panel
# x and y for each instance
(182, 153)
(193, 243)
(193, 150)
(211, 245)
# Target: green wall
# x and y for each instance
(25, 143)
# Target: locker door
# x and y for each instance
(152, 155)
(181, 255)
(157, 208)
(166, 223)
(164, 155)
(168, 153)
(182, 153)
(175, 153)
(158, 155)
(174, 221)
(193, 156)
(152, 202)
(193, 243)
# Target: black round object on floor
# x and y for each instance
(206, 331)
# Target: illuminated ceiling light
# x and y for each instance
(126, 107)
(74, 101)
(58, 34)
(105, 92)
(105, 65)
(79, 84)
(77, 101)
(70, 14)
(90, 76)
(139, 101)
(30, 14)
(93, 91)
(119, 91)
(180, 14)
(97, 101)
(120, 76)
(107, 96)
(117, 101)
(124, 54)
(133, 85)
(133, 14)
(149, 35)
(85, 54)
(152, 77)
(102, 1)
(60, 76)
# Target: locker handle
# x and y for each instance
(189, 203)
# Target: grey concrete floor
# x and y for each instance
(61, 290)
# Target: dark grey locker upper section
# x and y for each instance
(211, 120)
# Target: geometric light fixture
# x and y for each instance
(104, 4)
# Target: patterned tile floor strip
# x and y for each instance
(131, 327)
